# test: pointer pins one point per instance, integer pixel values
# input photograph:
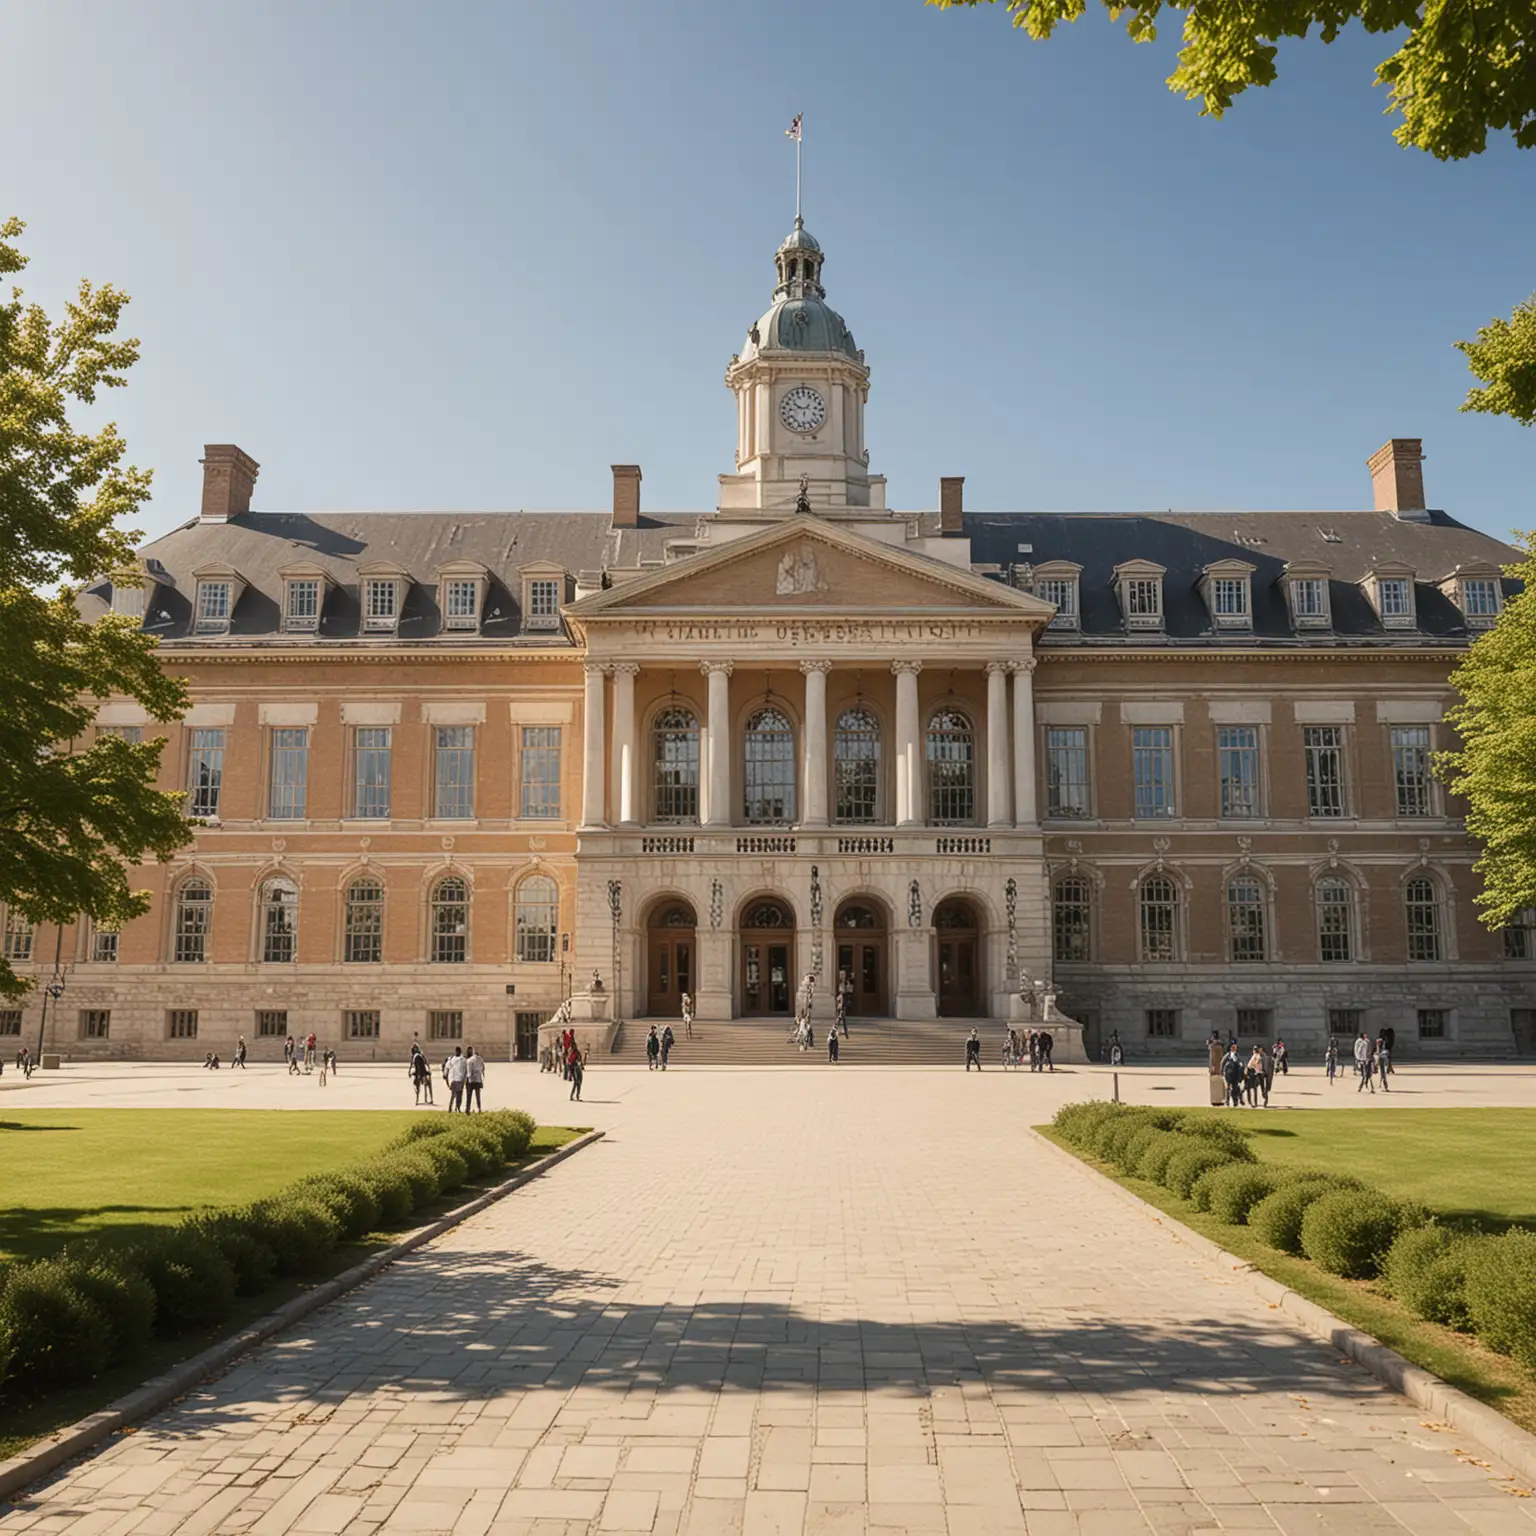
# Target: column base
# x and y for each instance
(916, 1005)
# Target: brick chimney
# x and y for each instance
(626, 495)
(1397, 477)
(229, 477)
(951, 504)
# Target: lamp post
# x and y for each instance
(54, 990)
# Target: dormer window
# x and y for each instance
(127, 601)
(1056, 582)
(1227, 587)
(381, 603)
(1139, 585)
(1475, 589)
(1390, 589)
(461, 591)
(544, 589)
(213, 603)
(1309, 601)
(301, 606)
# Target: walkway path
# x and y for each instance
(775, 1302)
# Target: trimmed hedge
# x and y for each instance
(1157, 1150)
(1276, 1219)
(1231, 1191)
(1426, 1270)
(65, 1318)
(1348, 1231)
(1501, 1293)
(1188, 1163)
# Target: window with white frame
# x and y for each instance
(130, 733)
(1323, 748)
(1144, 597)
(1158, 905)
(543, 610)
(1066, 772)
(537, 917)
(103, 949)
(1229, 596)
(1423, 910)
(1480, 600)
(192, 917)
(453, 792)
(1071, 911)
(461, 602)
(288, 790)
(539, 799)
(381, 602)
(1237, 752)
(370, 772)
(363, 939)
(1394, 598)
(449, 937)
(1410, 770)
(1246, 919)
(213, 606)
(1335, 920)
(17, 943)
(279, 922)
(1062, 591)
(301, 606)
(1152, 771)
(205, 772)
(1309, 601)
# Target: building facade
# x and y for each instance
(448, 766)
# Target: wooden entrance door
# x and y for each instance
(669, 960)
(957, 957)
(861, 939)
(767, 959)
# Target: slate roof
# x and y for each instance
(259, 545)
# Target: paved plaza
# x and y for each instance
(772, 1302)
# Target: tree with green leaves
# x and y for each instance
(1465, 68)
(74, 818)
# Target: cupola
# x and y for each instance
(799, 262)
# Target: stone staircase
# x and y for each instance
(765, 1043)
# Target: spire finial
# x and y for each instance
(795, 131)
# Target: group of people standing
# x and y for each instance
(1248, 1081)
(1373, 1058)
(464, 1073)
(570, 1061)
(1037, 1044)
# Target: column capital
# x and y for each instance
(625, 668)
(1027, 665)
(598, 668)
(815, 666)
(914, 667)
(999, 668)
(710, 667)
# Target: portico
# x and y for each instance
(799, 718)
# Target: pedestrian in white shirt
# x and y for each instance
(457, 1074)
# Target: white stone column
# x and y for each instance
(593, 775)
(1025, 811)
(814, 812)
(998, 750)
(624, 747)
(718, 745)
(909, 757)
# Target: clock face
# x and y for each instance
(802, 409)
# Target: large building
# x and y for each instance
(449, 765)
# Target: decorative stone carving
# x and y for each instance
(1011, 907)
(914, 905)
(716, 903)
(799, 573)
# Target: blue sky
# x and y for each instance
(469, 255)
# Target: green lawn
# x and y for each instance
(64, 1172)
(1477, 1164)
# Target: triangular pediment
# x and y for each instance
(810, 565)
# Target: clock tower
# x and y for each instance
(800, 385)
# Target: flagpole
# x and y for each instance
(799, 137)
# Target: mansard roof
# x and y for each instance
(261, 546)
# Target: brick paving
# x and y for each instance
(778, 1302)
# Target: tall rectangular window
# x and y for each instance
(10, 1021)
(1061, 590)
(1432, 1022)
(303, 610)
(371, 771)
(1395, 597)
(453, 796)
(361, 1023)
(103, 946)
(1309, 598)
(289, 788)
(461, 603)
(271, 1023)
(543, 604)
(445, 1024)
(1480, 597)
(540, 798)
(1152, 770)
(181, 1024)
(1237, 749)
(381, 603)
(1144, 597)
(1324, 749)
(1410, 769)
(1066, 771)
(96, 1023)
(212, 607)
(1231, 594)
(205, 772)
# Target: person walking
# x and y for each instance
(474, 1080)
(1282, 1059)
(652, 1049)
(309, 1053)
(832, 1043)
(1384, 1061)
(840, 1008)
(1363, 1064)
(688, 1014)
(668, 1040)
(419, 1073)
(1266, 1072)
(1232, 1075)
(1117, 1051)
(577, 1072)
(1331, 1060)
(1252, 1075)
(239, 1056)
(1046, 1046)
(456, 1070)
(1389, 1039)
(293, 1057)
(973, 1051)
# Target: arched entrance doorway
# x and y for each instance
(669, 955)
(957, 958)
(767, 958)
(860, 934)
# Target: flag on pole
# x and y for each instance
(793, 131)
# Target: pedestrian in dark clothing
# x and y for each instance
(652, 1049)
(973, 1051)
(1232, 1074)
(239, 1056)
(668, 1040)
(1282, 1058)
(1389, 1039)
(1046, 1046)
(578, 1071)
(832, 1044)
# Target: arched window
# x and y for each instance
(18, 937)
(1246, 925)
(951, 769)
(1426, 919)
(538, 915)
(1159, 903)
(675, 755)
(767, 914)
(193, 916)
(1335, 920)
(856, 756)
(279, 922)
(449, 943)
(363, 943)
(769, 780)
(1070, 911)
